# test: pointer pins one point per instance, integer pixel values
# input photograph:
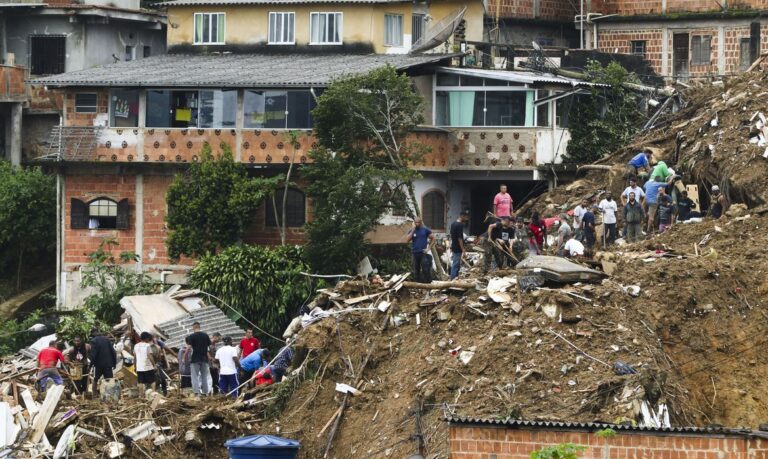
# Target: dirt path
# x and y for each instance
(9, 308)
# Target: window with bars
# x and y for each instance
(47, 54)
(637, 47)
(701, 50)
(281, 28)
(86, 102)
(295, 209)
(209, 28)
(393, 30)
(325, 28)
(100, 213)
(418, 27)
(433, 210)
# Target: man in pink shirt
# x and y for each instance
(502, 203)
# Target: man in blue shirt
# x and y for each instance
(254, 361)
(588, 227)
(639, 165)
(652, 200)
(422, 239)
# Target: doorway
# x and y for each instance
(680, 54)
(481, 194)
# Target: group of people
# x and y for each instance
(202, 360)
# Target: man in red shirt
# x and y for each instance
(47, 360)
(248, 344)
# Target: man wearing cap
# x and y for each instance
(640, 165)
(720, 203)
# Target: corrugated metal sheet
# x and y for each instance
(212, 320)
(518, 76)
(236, 70)
(270, 2)
(591, 426)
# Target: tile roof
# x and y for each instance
(712, 430)
(270, 2)
(235, 70)
(211, 318)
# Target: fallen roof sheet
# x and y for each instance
(520, 77)
(147, 311)
(559, 269)
(270, 2)
(236, 70)
(212, 320)
(593, 426)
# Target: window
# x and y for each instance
(124, 108)
(47, 54)
(191, 109)
(393, 30)
(130, 53)
(295, 209)
(147, 51)
(484, 108)
(85, 102)
(209, 28)
(101, 213)
(325, 28)
(701, 49)
(218, 109)
(433, 207)
(542, 110)
(418, 27)
(637, 47)
(281, 28)
(278, 109)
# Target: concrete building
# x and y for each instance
(550, 23)
(53, 37)
(151, 118)
(681, 38)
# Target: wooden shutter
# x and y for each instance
(123, 214)
(78, 215)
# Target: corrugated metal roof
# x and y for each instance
(270, 2)
(591, 426)
(236, 70)
(519, 77)
(211, 318)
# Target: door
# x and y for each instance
(745, 54)
(680, 47)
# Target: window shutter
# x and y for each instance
(78, 218)
(123, 214)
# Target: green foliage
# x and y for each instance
(112, 279)
(602, 123)
(78, 323)
(562, 451)
(361, 168)
(605, 433)
(262, 283)
(27, 214)
(14, 334)
(212, 204)
(396, 260)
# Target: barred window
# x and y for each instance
(433, 210)
(295, 209)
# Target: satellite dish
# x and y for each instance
(440, 32)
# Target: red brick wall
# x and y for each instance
(553, 10)
(41, 99)
(610, 41)
(505, 443)
(12, 82)
(627, 7)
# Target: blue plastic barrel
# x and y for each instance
(262, 447)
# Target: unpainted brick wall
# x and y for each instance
(499, 442)
(552, 10)
(629, 7)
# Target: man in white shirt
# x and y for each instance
(578, 214)
(632, 188)
(608, 207)
(145, 362)
(573, 248)
(228, 367)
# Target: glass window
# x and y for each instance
(124, 108)
(218, 109)
(325, 28)
(130, 53)
(147, 51)
(172, 109)
(102, 213)
(542, 111)
(701, 49)
(563, 111)
(47, 54)
(460, 108)
(278, 109)
(281, 28)
(295, 209)
(209, 28)
(393, 30)
(471, 81)
(447, 79)
(300, 105)
(85, 102)
(484, 108)
(418, 27)
(637, 47)
(505, 108)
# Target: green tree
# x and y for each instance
(27, 213)
(112, 278)
(261, 283)
(606, 120)
(362, 165)
(562, 451)
(212, 204)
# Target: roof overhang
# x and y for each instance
(532, 78)
(271, 2)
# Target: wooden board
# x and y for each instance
(693, 194)
(42, 419)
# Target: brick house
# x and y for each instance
(547, 22)
(681, 38)
(129, 127)
(514, 439)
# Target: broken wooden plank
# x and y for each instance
(440, 285)
(360, 299)
(32, 406)
(52, 397)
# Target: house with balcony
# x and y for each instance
(681, 39)
(243, 74)
(39, 38)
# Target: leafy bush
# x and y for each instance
(79, 322)
(562, 451)
(112, 280)
(262, 283)
(14, 334)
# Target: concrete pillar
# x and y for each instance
(142, 123)
(721, 50)
(15, 150)
(139, 221)
(665, 57)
